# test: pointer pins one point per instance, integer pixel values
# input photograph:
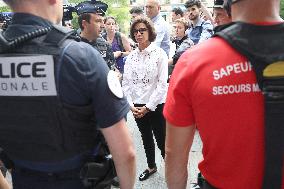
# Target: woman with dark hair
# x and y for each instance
(119, 42)
(145, 86)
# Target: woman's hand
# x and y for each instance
(139, 112)
(135, 111)
(142, 111)
(117, 54)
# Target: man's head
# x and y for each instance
(51, 10)
(177, 13)
(193, 8)
(136, 12)
(220, 14)
(90, 18)
(152, 8)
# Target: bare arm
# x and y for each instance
(178, 144)
(3, 182)
(123, 153)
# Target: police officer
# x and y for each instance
(91, 24)
(54, 93)
(90, 19)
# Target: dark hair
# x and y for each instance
(191, 3)
(227, 6)
(109, 17)
(149, 26)
(178, 11)
(136, 10)
(84, 16)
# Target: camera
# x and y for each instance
(68, 9)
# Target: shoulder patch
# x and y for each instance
(114, 84)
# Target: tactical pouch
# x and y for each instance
(99, 170)
(99, 174)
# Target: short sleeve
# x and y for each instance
(88, 79)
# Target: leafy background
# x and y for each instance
(119, 9)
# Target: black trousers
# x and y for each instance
(152, 123)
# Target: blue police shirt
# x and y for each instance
(81, 79)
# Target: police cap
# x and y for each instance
(92, 6)
(218, 4)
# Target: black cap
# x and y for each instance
(92, 6)
(218, 4)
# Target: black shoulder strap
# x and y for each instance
(6, 45)
(119, 40)
(48, 40)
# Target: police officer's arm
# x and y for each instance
(122, 150)
(3, 182)
(178, 144)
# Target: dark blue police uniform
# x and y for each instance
(43, 159)
(99, 43)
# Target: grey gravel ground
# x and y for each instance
(157, 181)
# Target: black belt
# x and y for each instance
(63, 175)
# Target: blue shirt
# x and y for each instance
(163, 33)
(81, 79)
(201, 31)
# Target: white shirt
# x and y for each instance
(163, 33)
(145, 77)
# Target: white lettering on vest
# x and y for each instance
(236, 68)
(27, 76)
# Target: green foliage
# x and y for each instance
(5, 9)
(117, 8)
(282, 9)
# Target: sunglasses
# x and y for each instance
(140, 30)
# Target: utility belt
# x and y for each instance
(48, 176)
(96, 174)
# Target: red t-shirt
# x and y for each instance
(214, 87)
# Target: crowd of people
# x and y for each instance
(65, 95)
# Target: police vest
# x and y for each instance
(264, 47)
(105, 49)
(37, 125)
